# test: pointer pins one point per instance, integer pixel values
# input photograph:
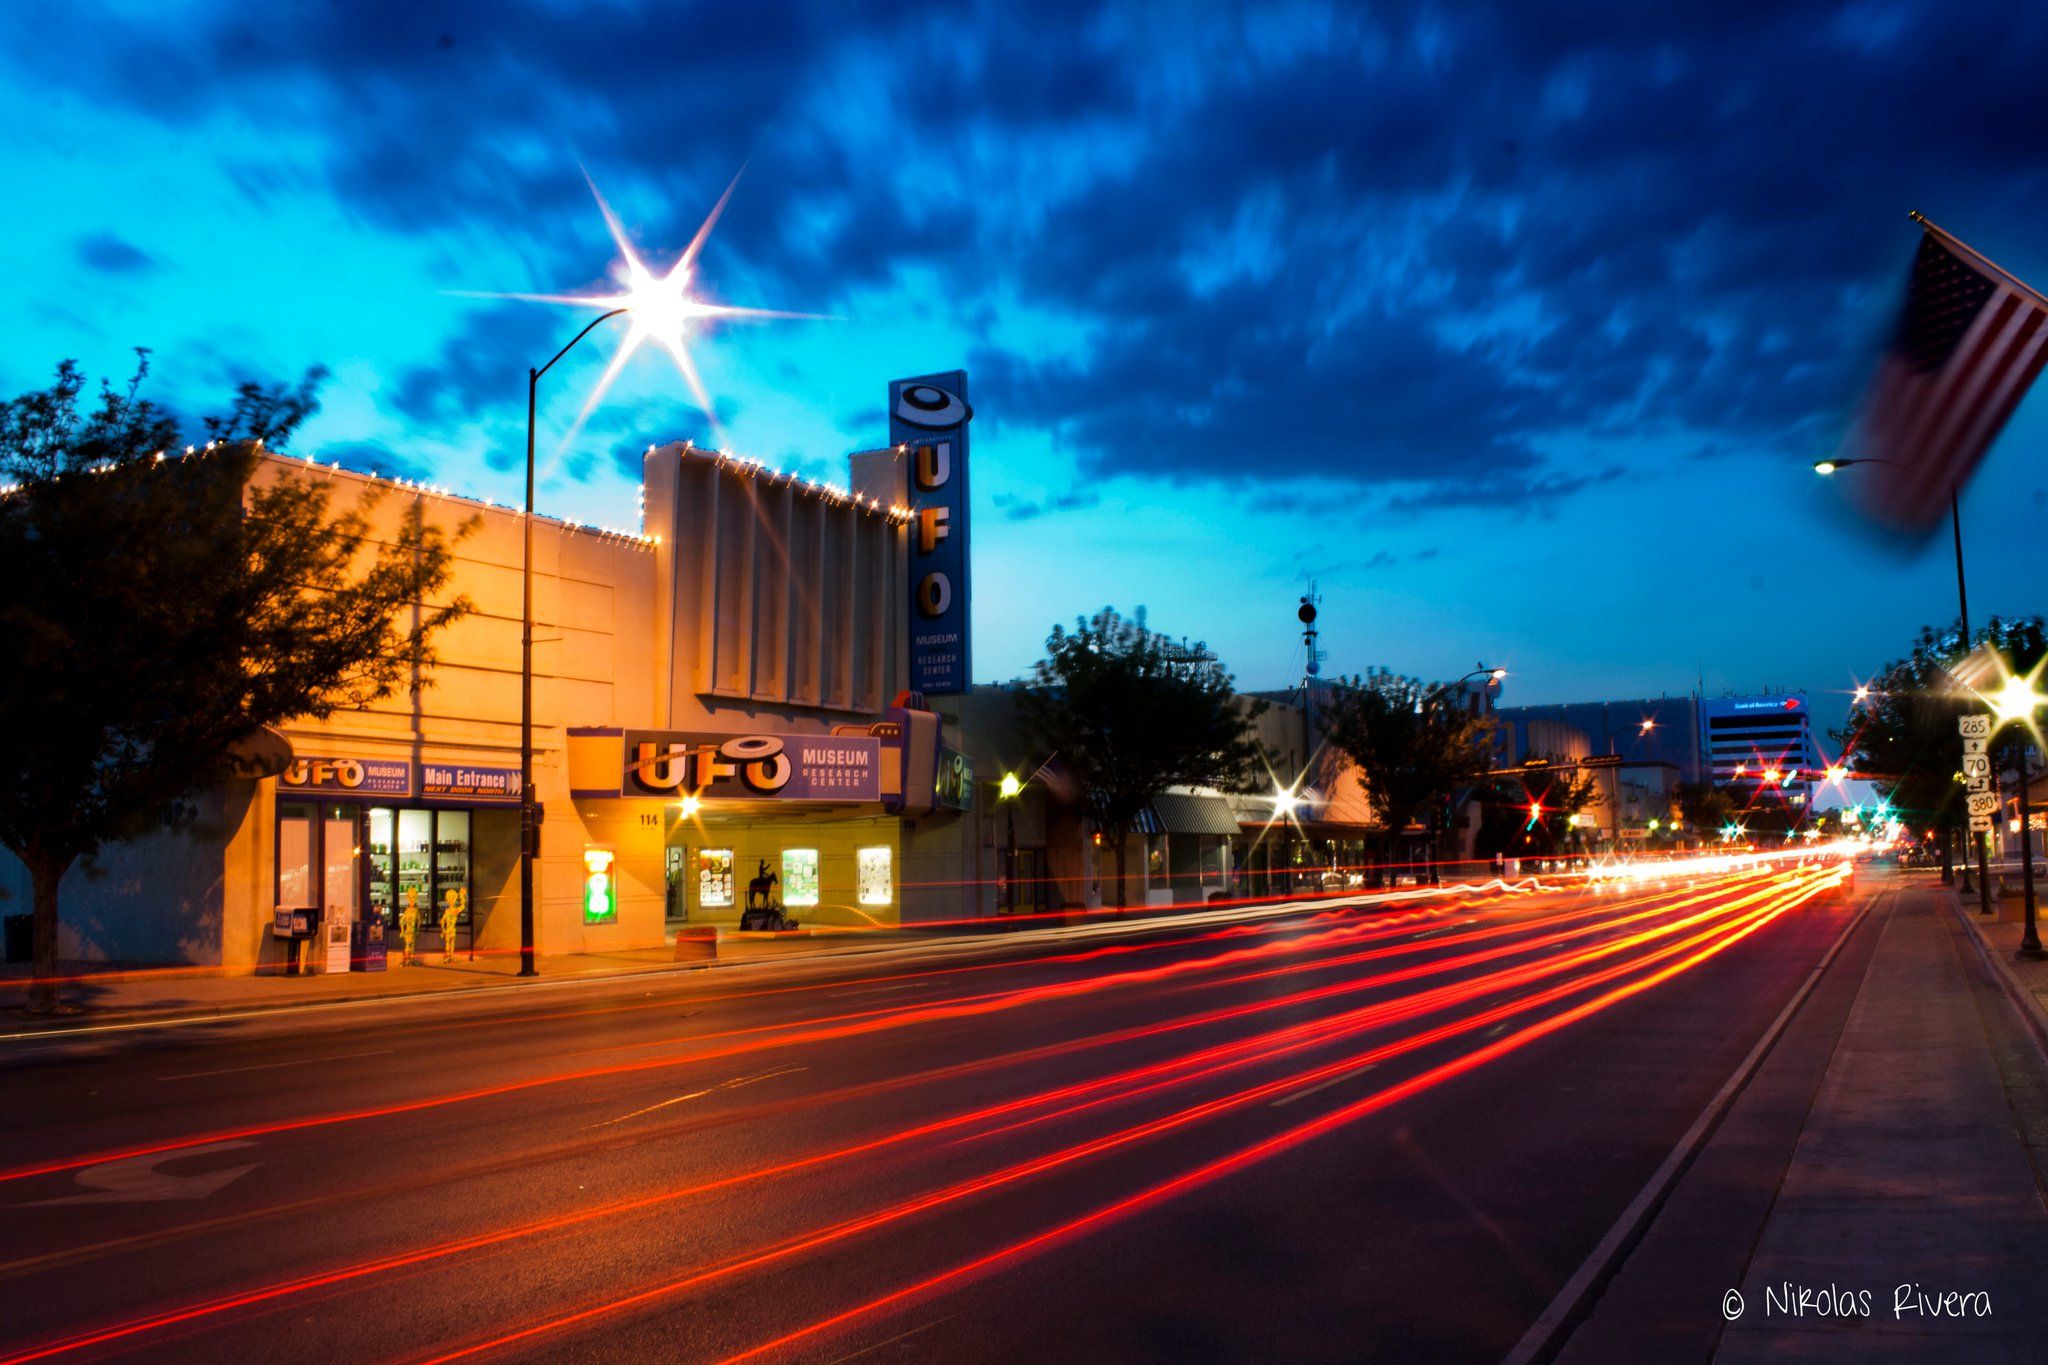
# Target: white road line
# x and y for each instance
(693, 1095)
(272, 1066)
(732, 1084)
(1303, 1094)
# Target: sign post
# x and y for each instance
(1976, 733)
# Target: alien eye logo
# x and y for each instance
(931, 407)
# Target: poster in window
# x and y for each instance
(800, 876)
(872, 876)
(714, 878)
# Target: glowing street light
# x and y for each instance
(661, 309)
(1837, 772)
(1009, 786)
(2015, 702)
(1285, 803)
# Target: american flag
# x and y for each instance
(1968, 342)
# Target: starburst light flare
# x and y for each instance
(660, 308)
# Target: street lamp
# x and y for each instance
(1955, 519)
(2017, 701)
(529, 809)
(1007, 791)
(1492, 675)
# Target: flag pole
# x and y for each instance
(1950, 239)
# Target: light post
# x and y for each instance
(2017, 701)
(529, 809)
(1955, 521)
(1442, 817)
(1007, 792)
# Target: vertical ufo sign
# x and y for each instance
(928, 416)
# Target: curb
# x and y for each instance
(1546, 1337)
(29, 1027)
(2024, 1001)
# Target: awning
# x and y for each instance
(1187, 813)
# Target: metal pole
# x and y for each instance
(529, 809)
(1010, 861)
(2030, 941)
(1981, 841)
(526, 804)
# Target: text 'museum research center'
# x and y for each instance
(738, 692)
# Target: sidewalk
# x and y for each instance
(123, 996)
(1877, 1150)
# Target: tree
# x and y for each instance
(1705, 808)
(1531, 812)
(1903, 736)
(1413, 744)
(163, 609)
(1131, 713)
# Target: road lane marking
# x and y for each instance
(1321, 1085)
(1552, 1329)
(136, 1180)
(272, 1066)
(733, 1084)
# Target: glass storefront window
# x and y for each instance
(339, 852)
(1215, 859)
(873, 883)
(451, 868)
(294, 855)
(799, 876)
(714, 878)
(383, 834)
(416, 863)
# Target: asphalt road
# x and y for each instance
(1382, 1132)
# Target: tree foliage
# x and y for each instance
(1705, 808)
(1131, 713)
(1531, 811)
(1903, 736)
(1413, 744)
(163, 609)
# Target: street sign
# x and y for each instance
(1974, 727)
(1977, 784)
(1976, 765)
(1983, 803)
(1601, 761)
(1980, 824)
(1974, 746)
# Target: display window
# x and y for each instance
(420, 858)
(714, 878)
(799, 876)
(873, 880)
(319, 858)
(295, 837)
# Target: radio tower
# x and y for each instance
(1312, 665)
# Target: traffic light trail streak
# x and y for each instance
(1130, 1084)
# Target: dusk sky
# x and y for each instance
(1516, 327)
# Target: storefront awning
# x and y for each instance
(1187, 813)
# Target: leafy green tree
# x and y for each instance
(1530, 812)
(1415, 745)
(1903, 736)
(1131, 713)
(1704, 808)
(163, 609)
